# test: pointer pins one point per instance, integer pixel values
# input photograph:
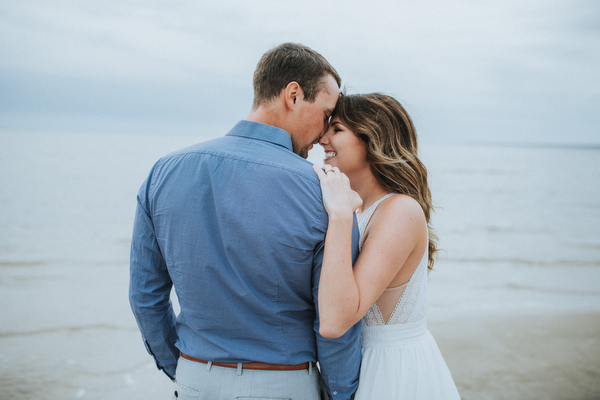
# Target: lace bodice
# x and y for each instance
(412, 303)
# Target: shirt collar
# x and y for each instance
(267, 133)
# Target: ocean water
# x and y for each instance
(69, 199)
(519, 229)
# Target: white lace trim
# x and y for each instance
(412, 305)
(373, 316)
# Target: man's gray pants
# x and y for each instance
(208, 382)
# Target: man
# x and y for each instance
(237, 226)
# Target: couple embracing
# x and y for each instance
(293, 280)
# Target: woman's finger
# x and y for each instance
(319, 171)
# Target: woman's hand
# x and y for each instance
(338, 197)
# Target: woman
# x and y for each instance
(373, 142)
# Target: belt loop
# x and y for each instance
(309, 368)
(239, 369)
(208, 366)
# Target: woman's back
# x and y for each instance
(400, 304)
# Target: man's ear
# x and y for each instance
(293, 93)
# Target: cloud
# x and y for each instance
(467, 70)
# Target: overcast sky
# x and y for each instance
(503, 71)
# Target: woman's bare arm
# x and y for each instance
(395, 238)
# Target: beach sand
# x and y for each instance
(523, 356)
(75, 338)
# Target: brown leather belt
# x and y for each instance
(253, 365)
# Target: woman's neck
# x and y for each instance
(368, 189)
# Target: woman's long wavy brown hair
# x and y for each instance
(392, 152)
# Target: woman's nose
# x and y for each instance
(324, 137)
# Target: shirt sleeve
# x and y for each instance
(150, 289)
(339, 358)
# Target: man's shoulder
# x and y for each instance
(199, 147)
(188, 152)
(225, 149)
(257, 152)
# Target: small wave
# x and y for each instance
(521, 261)
(551, 290)
(68, 329)
(21, 263)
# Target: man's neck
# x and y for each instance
(268, 115)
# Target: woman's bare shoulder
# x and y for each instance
(399, 207)
(398, 217)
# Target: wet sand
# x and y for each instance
(71, 335)
(510, 357)
(523, 356)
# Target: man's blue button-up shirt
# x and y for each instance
(237, 226)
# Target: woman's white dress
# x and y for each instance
(400, 358)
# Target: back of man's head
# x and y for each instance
(290, 62)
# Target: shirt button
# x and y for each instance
(334, 393)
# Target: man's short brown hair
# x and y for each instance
(290, 62)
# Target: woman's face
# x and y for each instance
(343, 149)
